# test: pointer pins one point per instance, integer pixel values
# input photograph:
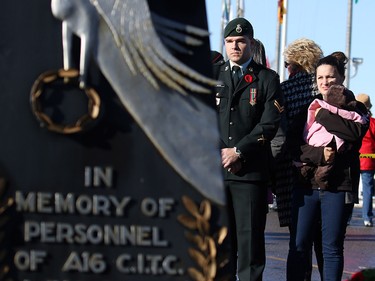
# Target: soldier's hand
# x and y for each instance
(235, 167)
(230, 160)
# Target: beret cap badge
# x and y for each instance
(238, 28)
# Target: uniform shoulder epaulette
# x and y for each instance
(219, 63)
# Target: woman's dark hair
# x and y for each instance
(336, 59)
(259, 52)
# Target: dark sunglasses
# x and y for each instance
(286, 64)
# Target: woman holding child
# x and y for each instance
(327, 173)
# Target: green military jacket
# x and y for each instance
(249, 117)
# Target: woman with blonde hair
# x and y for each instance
(301, 57)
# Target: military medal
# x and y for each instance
(253, 96)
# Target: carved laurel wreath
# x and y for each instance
(4, 220)
(69, 77)
(205, 253)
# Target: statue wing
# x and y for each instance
(182, 128)
(144, 50)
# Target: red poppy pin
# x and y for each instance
(248, 78)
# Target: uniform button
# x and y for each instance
(232, 109)
(230, 138)
(231, 123)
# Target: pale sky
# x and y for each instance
(324, 21)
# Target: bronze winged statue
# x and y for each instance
(131, 46)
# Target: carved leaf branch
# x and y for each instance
(198, 222)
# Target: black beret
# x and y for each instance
(239, 27)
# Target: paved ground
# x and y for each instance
(359, 248)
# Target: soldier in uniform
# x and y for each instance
(249, 104)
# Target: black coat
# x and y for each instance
(249, 117)
(345, 173)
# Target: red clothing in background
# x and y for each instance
(368, 146)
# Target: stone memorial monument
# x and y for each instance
(109, 161)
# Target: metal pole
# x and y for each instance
(221, 49)
(225, 12)
(240, 8)
(283, 39)
(280, 16)
(348, 42)
(278, 42)
(229, 4)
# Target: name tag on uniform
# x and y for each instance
(218, 95)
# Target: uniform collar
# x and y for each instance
(242, 66)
